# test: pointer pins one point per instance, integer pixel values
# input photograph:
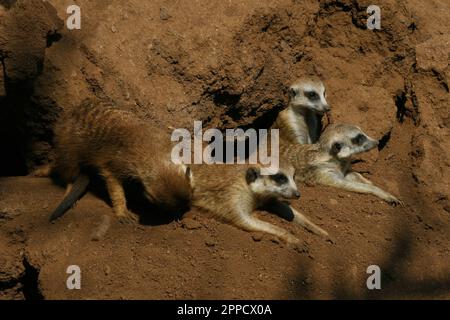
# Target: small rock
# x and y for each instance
(333, 202)
(308, 281)
(163, 14)
(210, 242)
(191, 224)
(113, 29)
(257, 236)
(275, 239)
(107, 270)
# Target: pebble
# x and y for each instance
(191, 224)
(257, 236)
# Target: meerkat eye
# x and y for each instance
(279, 178)
(359, 139)
(337, 146)
(312, 95)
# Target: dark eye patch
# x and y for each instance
(359, 139)
(312, 95)
(251, 175)
(337, 146)
(279, 178)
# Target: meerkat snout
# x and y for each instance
(280, 184)
(309, 94)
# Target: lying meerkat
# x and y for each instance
(300, 122)
(232, 192)
(328, 162)
(96, 138)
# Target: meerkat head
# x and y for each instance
(308, 93)
(280, 184)
(344, 140)
(171, 190)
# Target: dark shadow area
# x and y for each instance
(149, 213)
(264, 121)
(7, 3)
(284, 212)
(30, 282)
(25, 120)
(384, 141)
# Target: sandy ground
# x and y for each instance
(228, 63)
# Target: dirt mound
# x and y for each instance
(228, 64)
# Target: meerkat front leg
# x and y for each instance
(289, 213)
(117, 196)
(350, 185)
(357, 177)
(253, 224)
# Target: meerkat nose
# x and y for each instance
(296, 195)
(326, 108)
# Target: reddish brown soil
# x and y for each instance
(228, 63)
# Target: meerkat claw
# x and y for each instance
(128, 218)
(395, 202)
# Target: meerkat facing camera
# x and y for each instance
(328, 162)
(300, 122)
(95, 138)
(232, 192)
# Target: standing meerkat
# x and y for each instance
(328, 162)
(232, 192)
(98, 139)
(300, 122)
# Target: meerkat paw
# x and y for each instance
(394, 201)
(41, 172)
(290, 239)
(128, 218)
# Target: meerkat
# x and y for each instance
(95, 138)
(232, 192)
(300, 122)
(328, 162)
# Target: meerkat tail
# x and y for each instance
(78, 188)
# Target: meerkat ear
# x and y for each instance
(292, 92)
(252, 174)
(188, 172)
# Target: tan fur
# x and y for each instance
(224, 192)
(119, 146)
(316, 163)
(300, 122)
